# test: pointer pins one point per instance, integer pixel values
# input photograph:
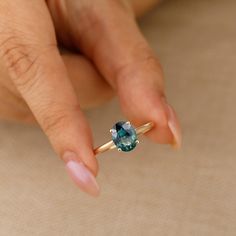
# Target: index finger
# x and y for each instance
(36, 68)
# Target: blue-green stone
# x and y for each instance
(124, 136)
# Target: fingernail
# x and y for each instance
(83, 178)
(174, 127)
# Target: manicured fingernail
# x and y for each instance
(84, 179)
(174, 127)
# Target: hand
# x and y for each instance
(53, 86)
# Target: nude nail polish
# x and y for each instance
(174, 127)
(81, 175)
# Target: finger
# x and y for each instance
(108, 34)
(38, 72)
(91, 89)
(134, 71)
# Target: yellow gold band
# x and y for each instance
(110, 145)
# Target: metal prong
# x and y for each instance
(137, 141)
(119, 149)
(110, 130)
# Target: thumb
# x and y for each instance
(39, 74)
(109, 35)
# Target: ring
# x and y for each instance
(124, 137)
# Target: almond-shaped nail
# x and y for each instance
(81, 175)
(174, 127)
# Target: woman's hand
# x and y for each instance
(113, 56)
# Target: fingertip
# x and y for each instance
(172, 124)
(174, 127)
(80, 174)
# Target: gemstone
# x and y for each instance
(124, 136)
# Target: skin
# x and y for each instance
(98, 58)
(82, 74)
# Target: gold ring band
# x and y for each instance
(110, 145)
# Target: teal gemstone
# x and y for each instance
(124, 136)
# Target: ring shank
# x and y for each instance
(110, 145)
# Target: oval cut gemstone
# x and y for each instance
(124, 136)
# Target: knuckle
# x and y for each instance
(142, 62)
(21, 61)
(17, 59)
(149, 58)
(54, 120)
(141, 58)
(95, 14)
(96, 19)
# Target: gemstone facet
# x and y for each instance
(124, 136)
